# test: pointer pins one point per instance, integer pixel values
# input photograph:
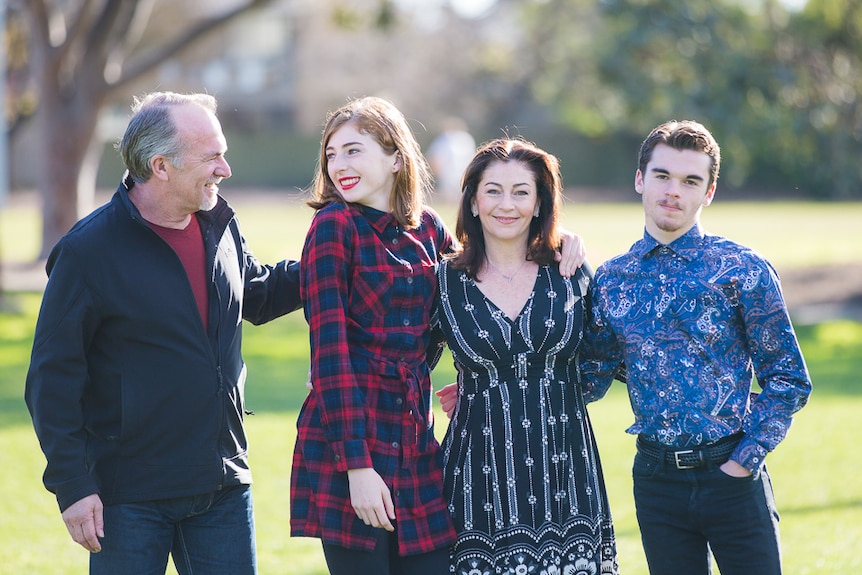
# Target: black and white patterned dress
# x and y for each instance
(522, 474)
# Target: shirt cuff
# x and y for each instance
(749, 454)
(351, 454)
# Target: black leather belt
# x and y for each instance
(695, 457)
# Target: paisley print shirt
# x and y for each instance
(695, 322)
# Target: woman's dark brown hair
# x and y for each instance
(543, 239)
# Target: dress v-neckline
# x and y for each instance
(523, 307)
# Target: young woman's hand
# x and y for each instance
(370, 498)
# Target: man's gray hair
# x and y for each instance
(151, 131)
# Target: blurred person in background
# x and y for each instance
(448, 155)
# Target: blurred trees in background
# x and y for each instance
(781, 90)
(77, 57)
(586, 79)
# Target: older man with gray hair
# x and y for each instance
(136, 380)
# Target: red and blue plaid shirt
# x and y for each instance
(368, 288)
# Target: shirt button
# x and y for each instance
(399, 401)
(394, 445)
(405, 321)
(337, 458)
(409, 280)
(395, 242)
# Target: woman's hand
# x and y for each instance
(572, 253)
(370, 498)
(448, 398)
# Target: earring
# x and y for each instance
(536, 213)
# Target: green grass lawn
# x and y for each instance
(789, 234)
(815, 470)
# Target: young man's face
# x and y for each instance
(675, 189)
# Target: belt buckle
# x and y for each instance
(679, 464)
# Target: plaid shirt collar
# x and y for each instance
(379, 220)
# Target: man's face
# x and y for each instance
(675, 188)
(203, 165)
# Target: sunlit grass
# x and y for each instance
(821, 506)
(814, 470)
(789, 234)
(20, 230)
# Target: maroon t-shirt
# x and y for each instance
(189, 245)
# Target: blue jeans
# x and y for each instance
(685, 515)
(209, 534)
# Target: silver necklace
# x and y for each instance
(508, 278)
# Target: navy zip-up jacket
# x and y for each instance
(130, 397)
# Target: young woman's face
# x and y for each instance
(362, 171)
(506, 201)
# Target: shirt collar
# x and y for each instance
(379, 220)
(686, 245)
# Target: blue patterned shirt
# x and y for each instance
(694, 322)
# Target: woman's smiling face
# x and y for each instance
(361, 170)
(506, 201)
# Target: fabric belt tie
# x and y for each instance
(697, 456)
(416, 404)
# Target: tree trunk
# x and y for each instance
(65, 132)
(89, 173)
(72, 87)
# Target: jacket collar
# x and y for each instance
(219, 216)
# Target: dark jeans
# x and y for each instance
(384, 560)
(209, 534)
(684, 515)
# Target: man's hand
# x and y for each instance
(572, 255)
(370, 498)
(448, 398)
(732, 468)
(85, 523)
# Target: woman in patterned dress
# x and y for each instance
(522, 476)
